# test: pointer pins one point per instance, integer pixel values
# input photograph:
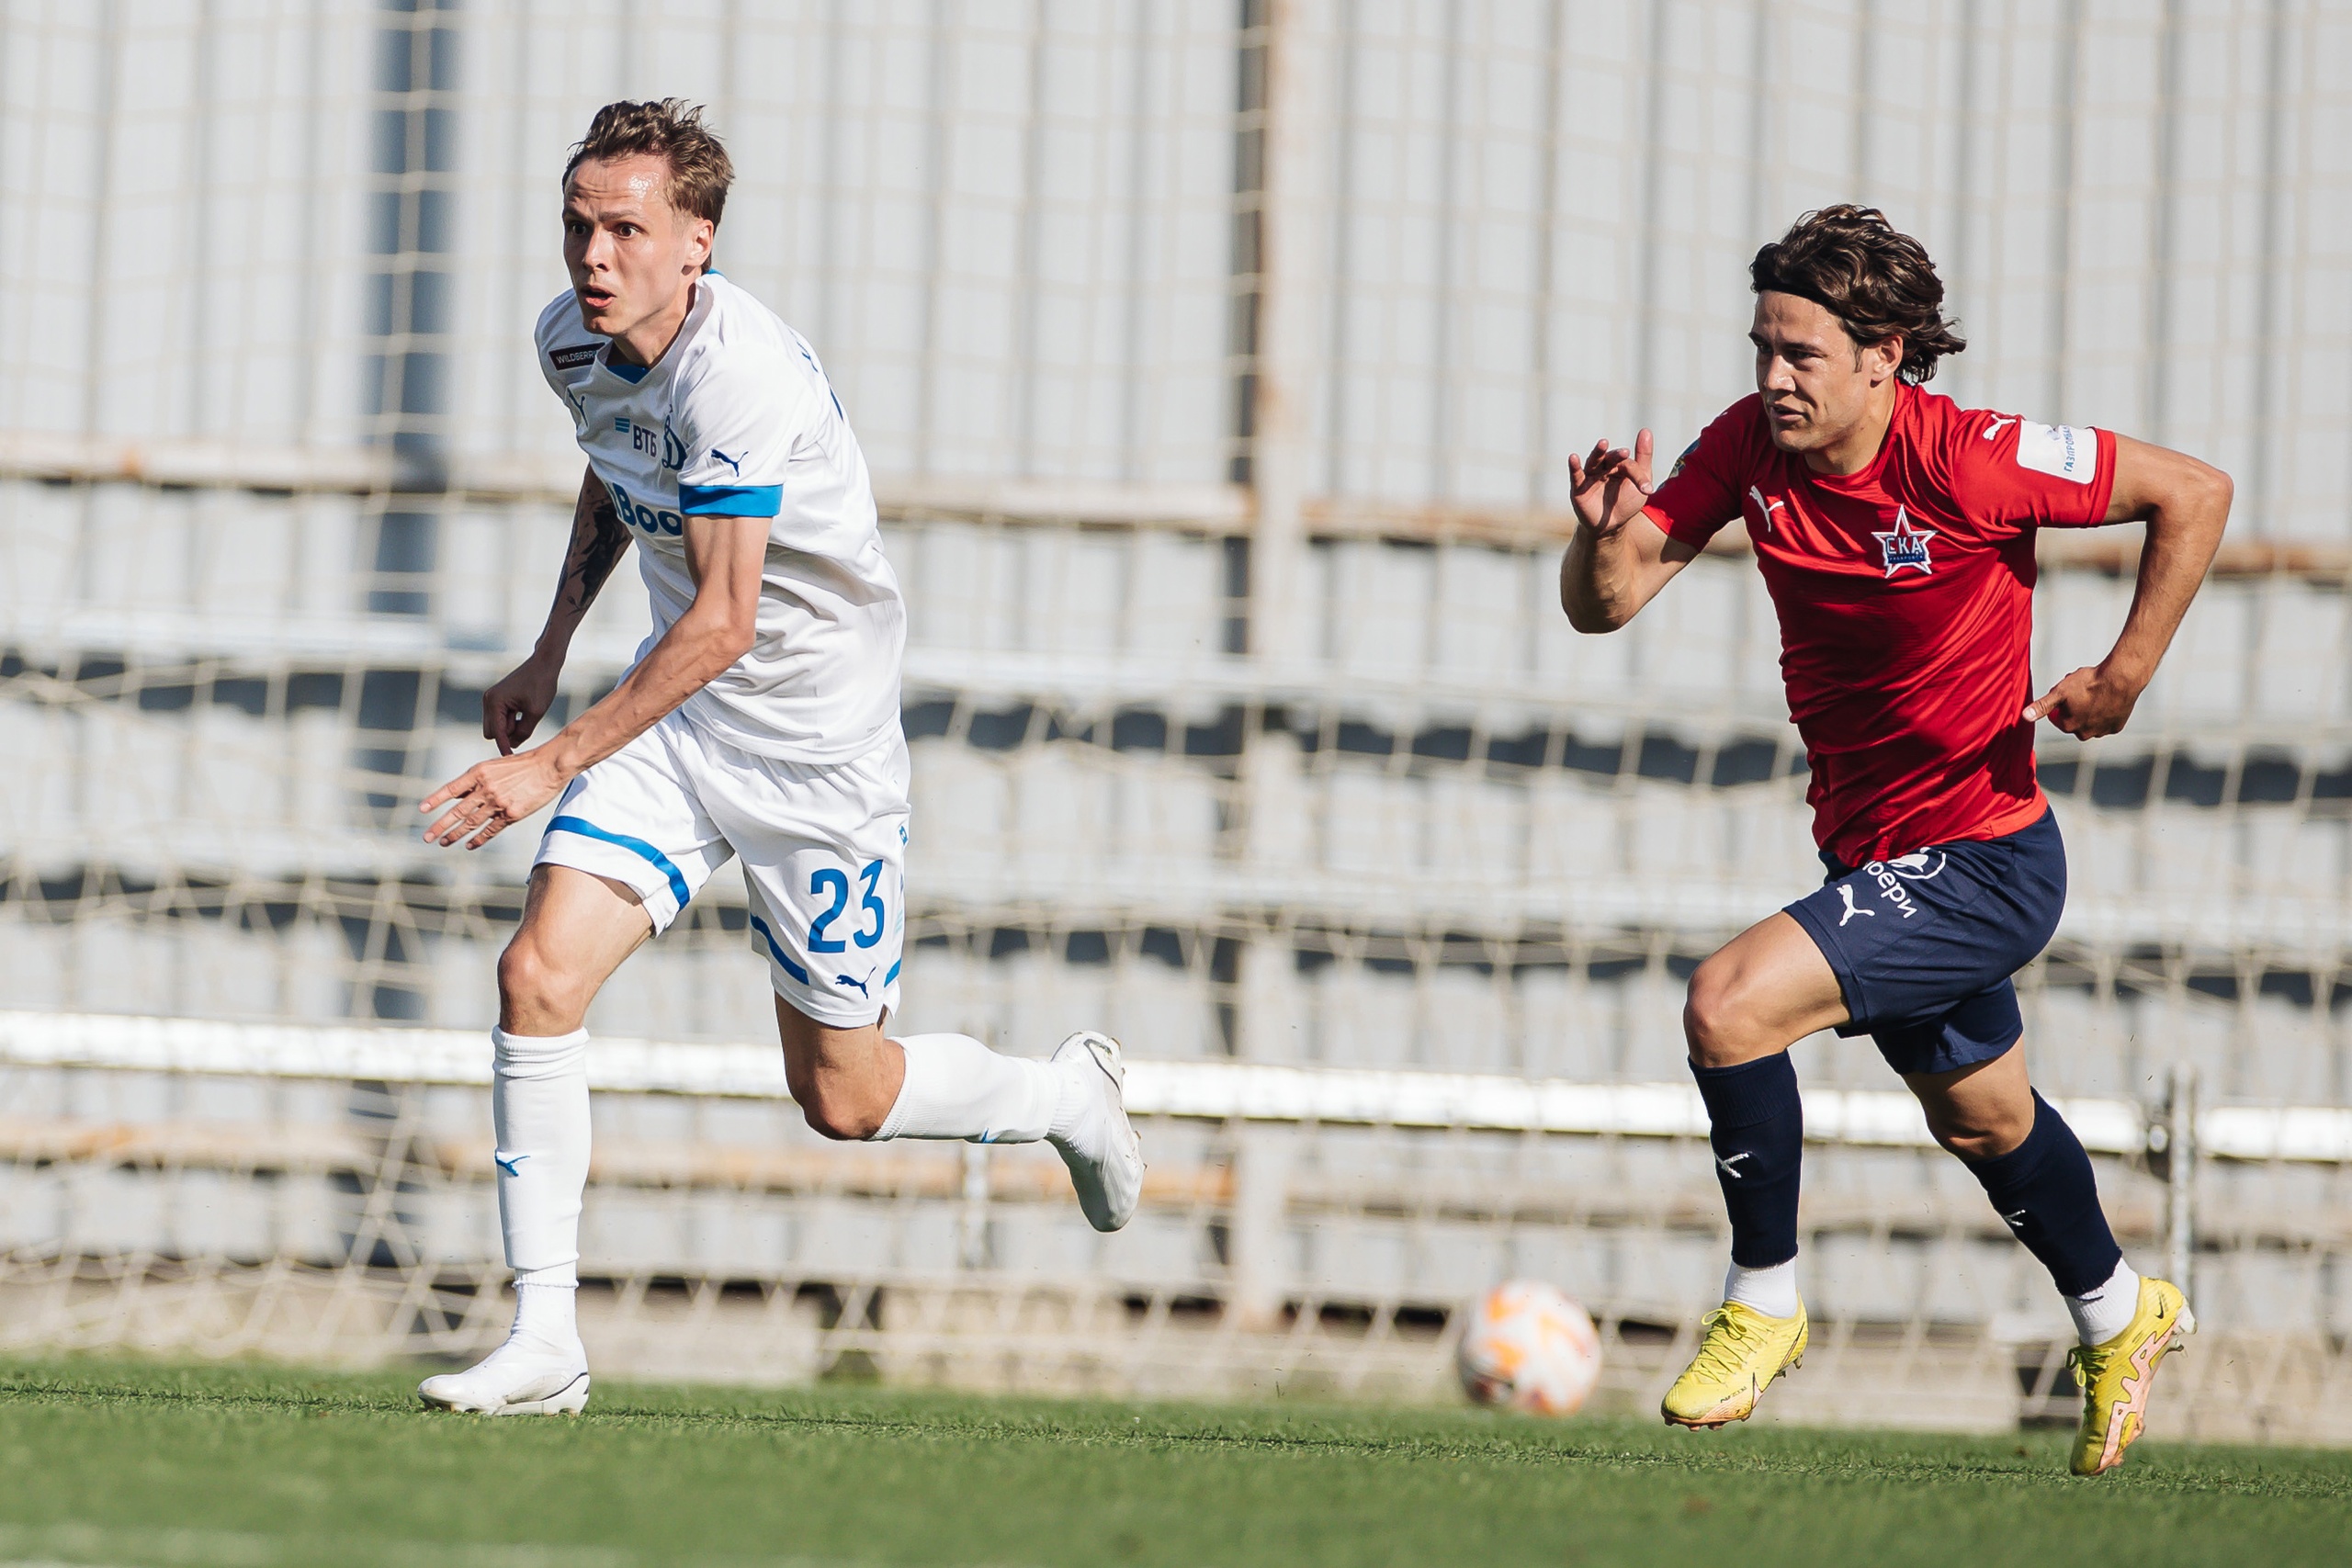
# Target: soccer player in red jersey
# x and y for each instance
(1896, 533)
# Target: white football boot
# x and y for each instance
(525, 1376)
(1104, 1156)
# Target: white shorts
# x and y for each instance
(823, 847)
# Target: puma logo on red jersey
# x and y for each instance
(1999, 425)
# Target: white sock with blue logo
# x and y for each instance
(538, 1103)
(957, 1087)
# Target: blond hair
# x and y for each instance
(671, 131)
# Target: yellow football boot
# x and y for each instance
(2117, 1376)
(1741, 1353)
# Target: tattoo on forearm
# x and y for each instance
(594, 557)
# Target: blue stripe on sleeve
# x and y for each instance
(893, 973)
(730, 500)
(660, 862)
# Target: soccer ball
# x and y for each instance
(1528, 1347)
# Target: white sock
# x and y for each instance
(543, 1302)
(1772, 1291)
(957, 1087)
(538, 1101)
(2107, 1312)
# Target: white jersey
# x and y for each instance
(738, 420)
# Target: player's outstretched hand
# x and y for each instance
(2089, 702)
(490, 797)
(1609, 487)
(513, 708)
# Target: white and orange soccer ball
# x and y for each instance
(1528, 1347)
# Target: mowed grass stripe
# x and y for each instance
(128, 1464)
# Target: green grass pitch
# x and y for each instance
(127, 1464)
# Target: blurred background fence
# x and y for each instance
(1217, 364)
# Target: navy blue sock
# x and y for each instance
(2043, 1190)
(1756, 1125)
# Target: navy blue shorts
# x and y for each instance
(1924, 945)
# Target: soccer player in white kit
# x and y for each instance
(760, 719)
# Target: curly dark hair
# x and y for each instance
(1874, 278)
(671, 131)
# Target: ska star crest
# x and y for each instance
(1906, 546)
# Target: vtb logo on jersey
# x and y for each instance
(1906, 546)
(643, 438)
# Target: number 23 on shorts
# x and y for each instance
(829, 881)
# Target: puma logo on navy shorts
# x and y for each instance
(1924, 945)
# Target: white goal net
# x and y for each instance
(1217, 364)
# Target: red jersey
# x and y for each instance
(1906, 597)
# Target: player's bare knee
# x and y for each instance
(535, 996)
(1976, 1134)
(522, 975)
(836, 1104)
(1977, 1140)
(836, 1110)
(1972, 1143)
(1972, 1124)
(1714, 1020)
(823, 1121)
